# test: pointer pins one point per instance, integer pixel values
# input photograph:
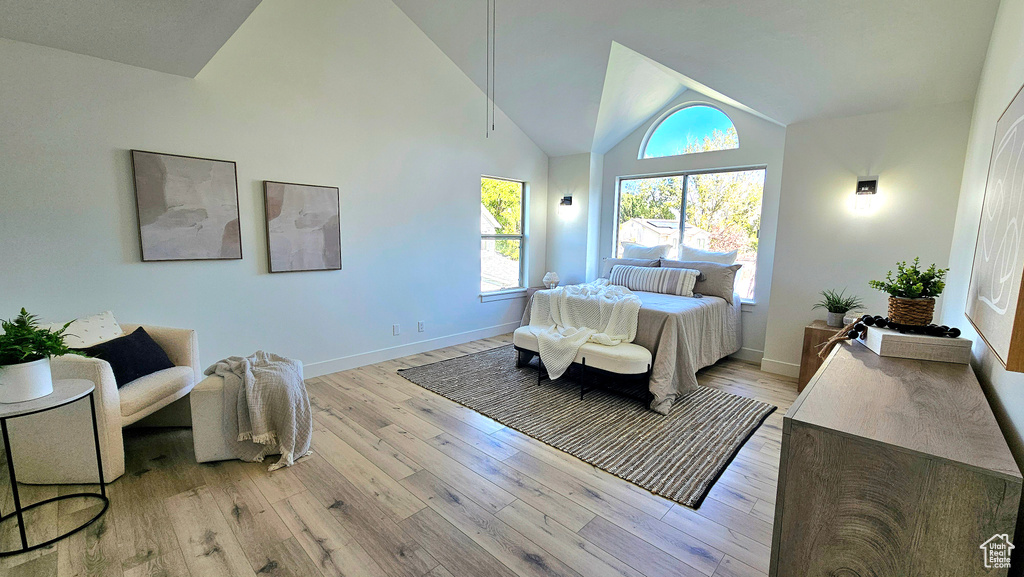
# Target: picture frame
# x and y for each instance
(303, 224)
(994, 305)
(186, 207)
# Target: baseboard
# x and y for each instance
(748, 355)
(780, 368)
(362, 359)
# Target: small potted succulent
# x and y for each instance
(912, 292)
(25, 351)
(838, 304)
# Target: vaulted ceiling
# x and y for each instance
(173, 36)
(578, 75)
(789, 60)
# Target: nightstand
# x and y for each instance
(814, 334)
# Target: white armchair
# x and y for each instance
(56, 446)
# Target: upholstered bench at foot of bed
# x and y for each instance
(620, 359)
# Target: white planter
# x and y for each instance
(836, 320)
(25, 381)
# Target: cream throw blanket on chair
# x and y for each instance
(266, 403)
(566, 317)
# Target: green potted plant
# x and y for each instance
(25, 351)
(912, 292)
(837, 304)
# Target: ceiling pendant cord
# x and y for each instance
(494, 46)
(487, 67)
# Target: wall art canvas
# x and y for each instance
(187, 207)
(303, 227)
(994, 306)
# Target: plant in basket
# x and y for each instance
(912, 292)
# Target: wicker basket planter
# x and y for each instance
(906, 311)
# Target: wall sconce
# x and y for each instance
(565, 206)
(867, 188)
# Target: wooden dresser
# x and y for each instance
(891, 467)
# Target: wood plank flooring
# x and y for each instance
(405, 483)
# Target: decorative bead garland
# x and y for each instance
(859, 329)
(931, 330)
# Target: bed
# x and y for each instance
(684, 334)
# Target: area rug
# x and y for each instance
(678, 456)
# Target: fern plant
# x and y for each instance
(910, 282)
(23, 341)
(838, 302)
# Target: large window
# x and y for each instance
(717, 211)
(691, 129)
(501, 234)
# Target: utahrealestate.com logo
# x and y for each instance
(997, 551)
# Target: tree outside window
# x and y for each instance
(501, 234)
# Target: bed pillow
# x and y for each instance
(670, 281)
(131, 357)
(717, 280)
(89, 331)
(687, 253)
(608, 263)
(634, 250)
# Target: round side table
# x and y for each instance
(64, 392)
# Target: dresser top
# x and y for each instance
(926, 407)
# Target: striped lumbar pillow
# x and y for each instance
(671, 281)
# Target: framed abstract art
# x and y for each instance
(994, 305)
(303, 227)
(187, 207)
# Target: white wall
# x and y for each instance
(823, 244)
(761, 144)
(350, 94)
(1001, 78)
(572, 234)
(594, 210)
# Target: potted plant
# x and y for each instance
(912, 292)
(25, 351)
(838, 304)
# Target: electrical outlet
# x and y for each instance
(419, 326)
(396, 329)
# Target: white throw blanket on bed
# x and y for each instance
(267, 405)
(566, 317)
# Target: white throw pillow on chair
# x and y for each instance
(91, 330)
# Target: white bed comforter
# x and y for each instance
(566, 317)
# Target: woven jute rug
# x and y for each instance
(678, 456)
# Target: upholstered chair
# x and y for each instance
(57, 446)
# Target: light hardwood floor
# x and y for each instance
(405, 483)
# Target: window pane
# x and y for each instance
(649, 211)
(692, 129)
(723, 213)
(499, 264)
(501, 206)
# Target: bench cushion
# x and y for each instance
(622, 359)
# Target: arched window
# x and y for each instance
(693, 128)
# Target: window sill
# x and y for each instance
(503, 295)
(747, 306)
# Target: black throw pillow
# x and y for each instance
(131, 356)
